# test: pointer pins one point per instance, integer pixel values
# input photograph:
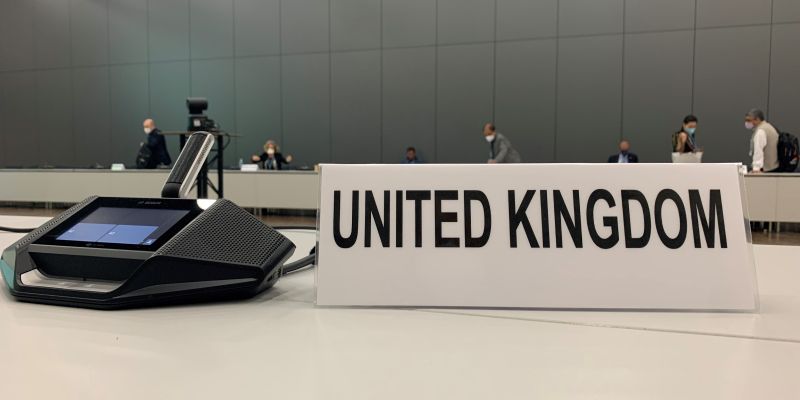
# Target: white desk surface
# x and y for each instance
(278, 345)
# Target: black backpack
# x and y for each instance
(787, 152)
(143, 157)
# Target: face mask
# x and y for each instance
(749, 125)
(690, 131)
(271, 152)
(147, 131)
(489, 139)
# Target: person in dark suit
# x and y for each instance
(156, 144)
(624, 156)
(271, 158)
(411, 157)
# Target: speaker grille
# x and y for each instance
(38, 232)
(228, 234)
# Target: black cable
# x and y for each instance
(307, 261)
(16, 230)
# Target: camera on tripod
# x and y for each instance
(198, 121)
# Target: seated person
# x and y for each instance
(683, 141)
(624, 156)
(411, 157)
(271, 158)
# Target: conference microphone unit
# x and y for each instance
(190, 161)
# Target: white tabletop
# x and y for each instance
(279, 345)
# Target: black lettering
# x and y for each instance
(344, 242)
(630, 241)
(417, 196)
(398, 219)
(441, 217)
(677, 241)
(562, 213)
(714, 212)
(469, 197)
(517, 216)
(371, 213)
(610, 222)
(545, 219)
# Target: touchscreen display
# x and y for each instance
(126, 226)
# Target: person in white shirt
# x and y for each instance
(763, 142)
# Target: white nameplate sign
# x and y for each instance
(603, 236)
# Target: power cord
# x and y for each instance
(305, 262)
(16, 230)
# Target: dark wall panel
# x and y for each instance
(525, 97)
(589, 17)
(786, 11)
(91, 125)
(409, 23)
(53, 121)
(168, 30)
(18, 99)
(465, 21)
(89, 32)
(784, 102)
(258, 27)
(589, 98)
(525, 19)
(409, 103)
(129, 108)
(211, 28)
(169, 87)
(717, 13)
(356, 106)
(727, 85)
(17, 39)
(306, 107)
(658, 91)
(51, 27)
(658, 15)
(464, 102)
(258, 104)
(355, 24)
(305, 26)
(127, 31)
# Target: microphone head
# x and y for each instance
(188, 165)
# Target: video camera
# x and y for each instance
(198, 121)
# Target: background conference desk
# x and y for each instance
(770, 197)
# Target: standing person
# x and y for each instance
(683, 141)
(156, 144)
(624, 156)
(763, 142)
(500, 149)
(411, 157)
(271, 158)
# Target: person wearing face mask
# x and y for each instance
(156, 144)
(624, 156)
(271, 158)
(683, 141)
(500, 149)
(763, 142)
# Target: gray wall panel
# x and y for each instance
(589, 17)
(127, 31)
(465, 21)
(589, 98)
(525, 107)
(464, 102)
(257, 25)
(17, 39)
(129, 108)
(211, 28)
(51, 25)
(409, 103)
(305, 26)
(658, 15)
(657, 91)
(727, 85)
(525, 19)
(90, 116)
(784, 102)
(214, 80)
(258, 104)
(716, 13)
(18, 99)
(355, 24)
(409, 23)
(168, 32)
(356, 106)
(89, 32)
(786, 11)
(306, 107)
(53, 121)
(169, 88)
